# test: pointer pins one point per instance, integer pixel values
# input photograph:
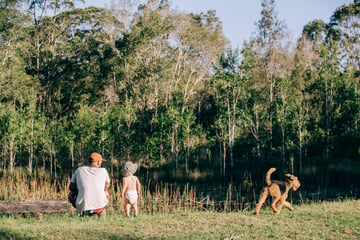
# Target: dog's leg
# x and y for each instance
(262, 199)
(274, 202)
(283, 198)
(288, 205)
(280, 205)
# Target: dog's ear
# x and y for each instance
(289, 176)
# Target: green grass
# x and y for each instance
(326, 220)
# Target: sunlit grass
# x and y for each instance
(168, 211)
(327, 220)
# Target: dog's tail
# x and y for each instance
(268, 176)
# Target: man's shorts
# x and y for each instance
(72, 199)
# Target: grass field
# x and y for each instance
(326, 220)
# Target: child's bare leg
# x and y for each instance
(127, 208)
(135, 209)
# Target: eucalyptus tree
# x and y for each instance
(84, 129)
(330, 76)
(20, 125)
(14, 81)
(141, 76)
(40, 36)
(124, 11)
(143, 57)
(334, 116)
(270, 35)
(284, 107)
(345, 27)
(11, 138)
(167, 59)
(197, 44)
(78, 71)
(255, 110)
(325, 82)
(18, 90)
(314, 33)
(304, 70)
(193, 137)
(128, 117)
(166, 54)
(273, 47)
(230, 90)
(70, 59)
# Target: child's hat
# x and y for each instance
(128, 169)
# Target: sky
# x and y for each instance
(240, 16)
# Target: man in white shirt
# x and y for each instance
(89, 186)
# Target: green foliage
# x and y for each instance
(167, 92)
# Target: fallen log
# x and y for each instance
(35, 208)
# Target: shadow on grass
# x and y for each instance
(5, 235)
(127, 237)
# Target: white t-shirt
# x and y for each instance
(90, 182)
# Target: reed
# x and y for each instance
(20, 185)
(158, 198)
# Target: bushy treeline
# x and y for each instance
(146, 83)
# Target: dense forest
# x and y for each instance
(163, 88)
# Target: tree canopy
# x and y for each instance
(164, 89)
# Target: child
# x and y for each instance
(131, 187)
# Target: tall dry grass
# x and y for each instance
(20, 185)
(161, 198)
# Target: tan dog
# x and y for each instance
(273, 188)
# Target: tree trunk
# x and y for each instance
(12, 153)
(31, 146)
